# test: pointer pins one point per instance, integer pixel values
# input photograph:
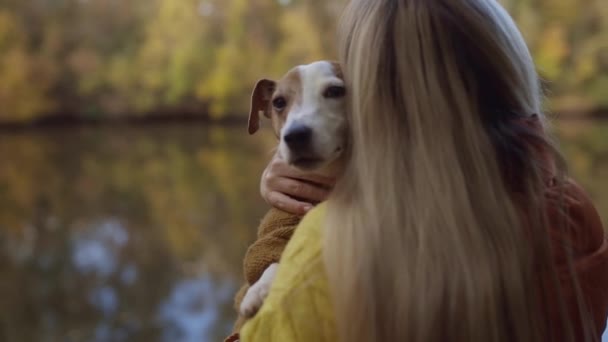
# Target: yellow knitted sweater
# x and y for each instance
(298, 307)
(274, 232)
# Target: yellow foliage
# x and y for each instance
(566, 12)
(22, 89)
(552, 51)
(301, 46)
(143, 55)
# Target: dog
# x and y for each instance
(307, 109)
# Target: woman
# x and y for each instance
(453, 219)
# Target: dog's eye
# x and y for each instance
(279, 103)
(334, 92)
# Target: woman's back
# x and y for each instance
(441, 226)
(299, 307)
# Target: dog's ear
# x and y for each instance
(337, 69)
(260, 101)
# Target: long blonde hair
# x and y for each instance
(423, 240)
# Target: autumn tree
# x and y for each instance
(111, 59)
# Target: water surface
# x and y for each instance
(137, 234)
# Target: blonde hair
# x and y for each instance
(423, 241)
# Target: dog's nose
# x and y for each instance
(298, 136)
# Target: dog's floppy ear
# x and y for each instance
(337, 69)
(260, 101)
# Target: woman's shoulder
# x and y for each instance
(303, 253)
(298, 307)
(311, 226)
(576, 230)
(574, 218)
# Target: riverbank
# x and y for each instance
(151, 120)
(198, 119)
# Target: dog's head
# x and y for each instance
(307, 108)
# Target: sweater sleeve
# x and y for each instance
(584, 238)
(274, 232)
(298, 307)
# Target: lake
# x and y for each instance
(138, 233)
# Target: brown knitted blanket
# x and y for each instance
(274, 232)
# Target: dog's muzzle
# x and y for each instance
(299, 140)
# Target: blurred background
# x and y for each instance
(128, 184)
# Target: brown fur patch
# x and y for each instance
(289, 87)
(337, 69)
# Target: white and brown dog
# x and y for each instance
(307, 109)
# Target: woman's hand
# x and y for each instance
(292, 190)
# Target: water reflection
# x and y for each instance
(138, 234)
(190, 312)
(125, 234)
(95, 250)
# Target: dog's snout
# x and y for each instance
(298, 136)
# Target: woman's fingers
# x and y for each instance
(293, 190)
(288, 204)
(279, 192)
(308, 192)
(279, 168)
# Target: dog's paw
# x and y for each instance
(257, 293)
(254, 299)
